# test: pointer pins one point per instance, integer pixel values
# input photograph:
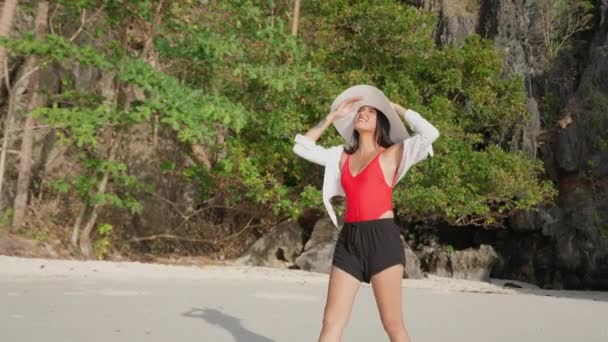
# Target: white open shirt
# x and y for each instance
(415, 148)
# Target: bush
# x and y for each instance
(235, 81)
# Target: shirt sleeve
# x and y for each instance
(307, 148)
(419, 145)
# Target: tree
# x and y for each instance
(232, 86)
(296, 17)
(34, 101)
(561, 20)
(6, 26)
(86, 247)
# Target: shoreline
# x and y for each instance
(22, 268)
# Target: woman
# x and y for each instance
(368, 249)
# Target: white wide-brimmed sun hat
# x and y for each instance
(371, 96)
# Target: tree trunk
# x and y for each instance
(8, 126)
(85, 238)
(9, 122)
(6, 26)
(86, 248)
(35, 100)
(9, 119)
(296, 18)
(76, 228)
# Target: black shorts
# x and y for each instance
(365, 248)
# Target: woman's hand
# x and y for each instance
(398, 108)
(344, 108)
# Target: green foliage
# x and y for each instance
(231, 78)
(103, 243)
(60, 185)
(471, 77)
(462, 91)
(41, 236)
(598, 123)
(382, 41)
(449, 249)
(80, 124)
(85, 185)
(56, 48)
(311, 197)
(6, 218)
(473, 187)
(202, 177)
(560, 22)
(190, 112)
(254, 61)
(601, 225)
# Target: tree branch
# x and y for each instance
(175, 237)
(83, 20)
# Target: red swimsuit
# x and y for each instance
(367, 194)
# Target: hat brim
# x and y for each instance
(371, 96)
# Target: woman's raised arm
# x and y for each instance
(305, 145)
(418, 146)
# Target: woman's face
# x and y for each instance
(365, 120)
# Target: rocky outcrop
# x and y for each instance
(513, 26)
(278, 248)
(412, 263)
(564, 245)
(473, 264)
(458, 19)
(580, 144)
(579, 158)
(470, 264)
(526, 138)
(319, 249)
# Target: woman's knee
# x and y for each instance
(393, 325)
(335, 320)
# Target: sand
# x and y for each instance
(130, 301)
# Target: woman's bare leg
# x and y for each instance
(341, 293)
(387, 290)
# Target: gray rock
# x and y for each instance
(470, 264)
(523, 221)
(458, 19)
(539, 219)
(436, 261)
(532, 129)
(278, 248)
(571, 147)
(323, 231)
(319, 249)
(455, 29)
(317, 258)
(431, 5)
(412, 263)
(473, 264)
(513, 25)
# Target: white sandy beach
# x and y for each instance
(68, 300)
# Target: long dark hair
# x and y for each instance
(382, 134)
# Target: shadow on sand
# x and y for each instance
(230, 323)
